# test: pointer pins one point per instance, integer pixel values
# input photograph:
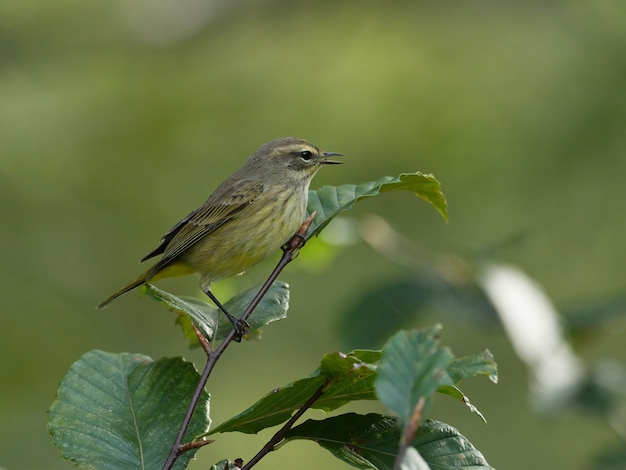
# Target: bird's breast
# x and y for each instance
(254, 234)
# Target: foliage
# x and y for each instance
(124, 411)
(117, 410)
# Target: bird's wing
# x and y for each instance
(169, 236)
(204, 220)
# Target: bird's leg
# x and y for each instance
(241, 326)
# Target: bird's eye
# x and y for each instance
(306, 155)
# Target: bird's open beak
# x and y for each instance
(325, 161)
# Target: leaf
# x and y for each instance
(594, 313)
(371, 441)
(443, 447)
(204, 316)
(191, 312)
(412, 367)
(416, 297)
(455, 392)
(363, 324)
(274, 408)
(413, 460)
(122, 411)
(363, 441)
(272, 307)
(351, 378)
(611, 457)
(473, 365)
(467, 367)
(330, 201)
(347, 377)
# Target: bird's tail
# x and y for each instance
(136, 283)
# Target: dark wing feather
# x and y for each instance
(167, 238)
(204, 220)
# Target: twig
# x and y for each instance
(280, 434)
(290, 251)
(196, 444)
(204, 342)
(409, 432)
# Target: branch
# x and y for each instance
(290, 251)
(280, 434)
(204, 343)
(409, 432)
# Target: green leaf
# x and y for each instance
(443, 447)
(464, 368)
(611, 457)
(351, 378)
(346, 377)
(122, 411)
(330, 201)
(190, 311)
(204, 316)
(473, 365)
(412, 460)
(416, 296)
(362, 323)
(273, 307)
(371, 441)
(455, 392)
(274, 408)
(594, 313)
(413, 366)
(363, 441)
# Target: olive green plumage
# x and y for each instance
(248, 217)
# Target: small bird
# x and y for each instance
(250, 215)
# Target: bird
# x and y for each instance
(246, 219)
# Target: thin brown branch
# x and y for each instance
(204, 342)
(409, 432)
(196, 444)
(280, 434)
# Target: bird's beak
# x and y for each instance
(325, 161)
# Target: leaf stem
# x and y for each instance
(290, 251)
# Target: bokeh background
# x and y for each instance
(119, 117)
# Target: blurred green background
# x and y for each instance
(119, 117)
